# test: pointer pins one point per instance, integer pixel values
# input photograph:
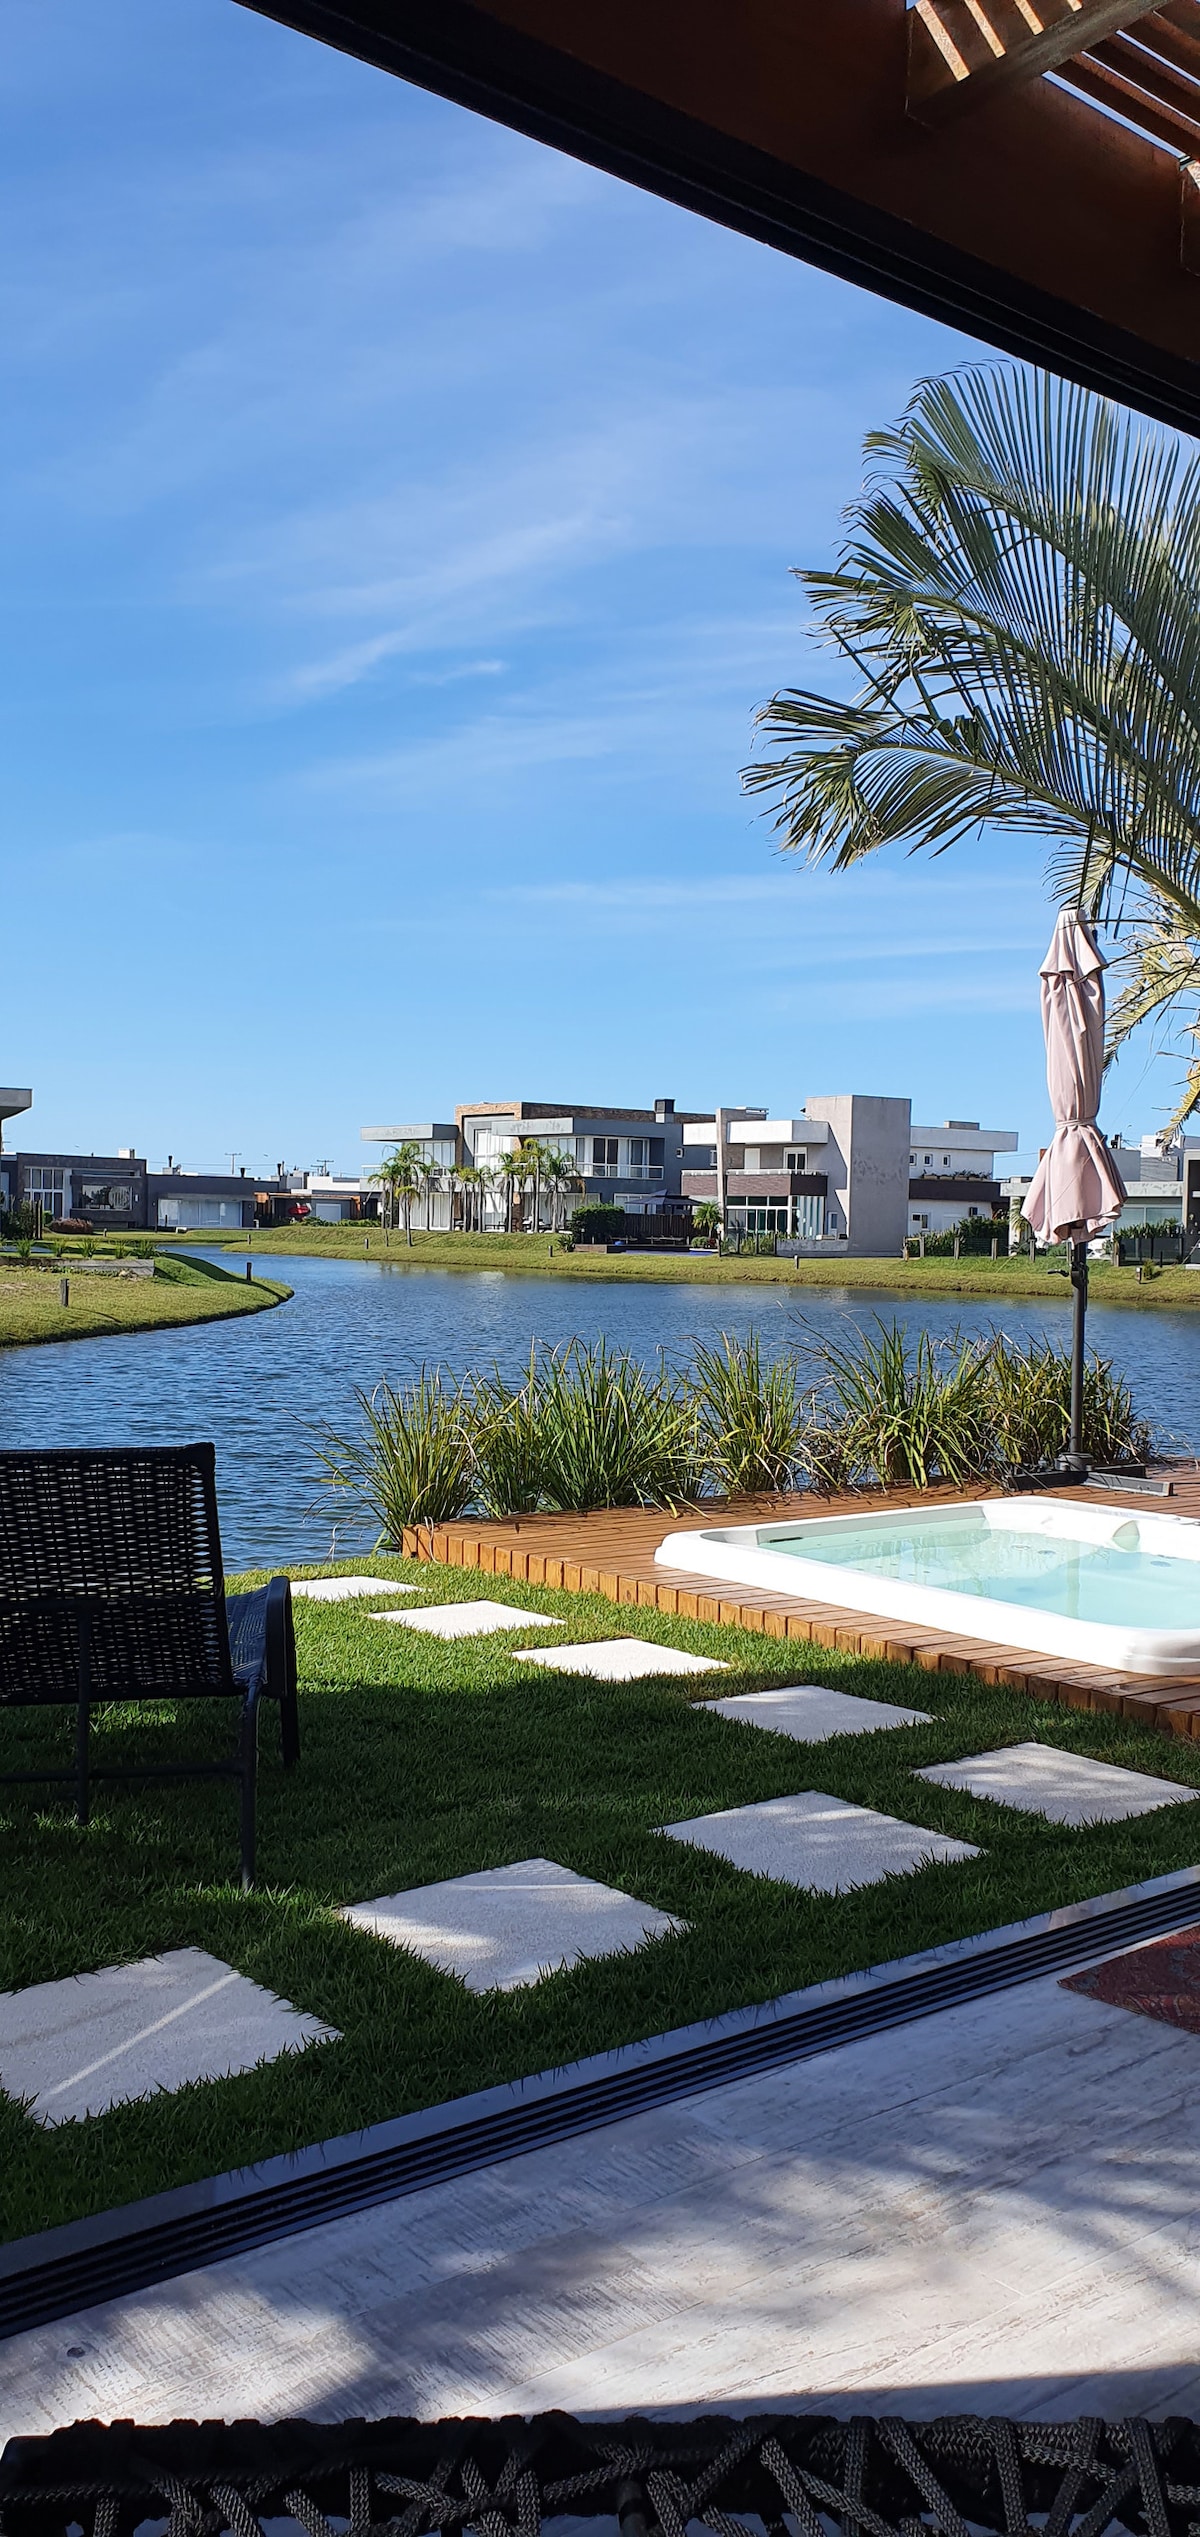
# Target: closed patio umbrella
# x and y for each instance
(1076, 1190)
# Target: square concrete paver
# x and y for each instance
(347, 1589)
(508, 1926)
(1067, 1788)
(469, 1620)
(620, 1660)
(133, 2030)
(818, 1842)
(811, 1713)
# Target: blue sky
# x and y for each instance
(396, 529)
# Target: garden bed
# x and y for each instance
(425, 1760)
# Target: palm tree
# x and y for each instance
(1018, 597)
(528, 1162)
(429, 1177)
(560, 1172)
(399, 1174)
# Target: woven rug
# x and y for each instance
(1162, 1980)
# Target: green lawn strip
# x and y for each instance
(424, 1760)
(528, 1255)
(178, 1294)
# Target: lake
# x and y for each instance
(258, 1387)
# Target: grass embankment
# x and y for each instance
(528, 1255)
(422, 1760)
(179, 1292)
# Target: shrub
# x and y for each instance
(1029, 1407)
(751, 1417)
(613, 1435)
(411, 1463)
(880, 1411)
(507, 1442)
(597, 1223)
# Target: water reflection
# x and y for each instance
(257, 1386)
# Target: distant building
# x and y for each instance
(1163, 1185)
(952, 1173)
(850, 1172)
(118, 1193)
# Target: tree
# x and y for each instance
(707, 1219)
(429, 1177)
(1018, 598)
(527, 1165)
(560, 1172)
(399, 1176)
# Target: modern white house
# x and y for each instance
(952, 1173)
(849, 1172)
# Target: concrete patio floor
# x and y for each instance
(996, 2209)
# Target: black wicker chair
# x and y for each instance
(111, 1588)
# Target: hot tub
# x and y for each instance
(1090, 1583)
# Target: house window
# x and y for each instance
(604, 1157)
(106, 1197)
(929, 1158)
(945, 1159)
(42, 1181)
(797, 1160)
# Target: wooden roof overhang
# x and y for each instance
(1026, 170)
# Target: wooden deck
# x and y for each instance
(612, 1553)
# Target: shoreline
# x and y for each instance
(527, 1255)
(31, 1315)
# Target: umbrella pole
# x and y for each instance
(1079, 1282)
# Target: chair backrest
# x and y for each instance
(115, 1551)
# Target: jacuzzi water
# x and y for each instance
(1092, 1583)
(1115, 1580)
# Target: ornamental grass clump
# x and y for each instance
(508, 1446)
(883, 1413)
(613, 1434)
(751, 1417)
(411, 1462)
(1028, 1392)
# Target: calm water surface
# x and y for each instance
(257, 1387)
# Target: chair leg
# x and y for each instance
(83, 1716)
(248, 1758)
(281, 1666)
(83, 1719)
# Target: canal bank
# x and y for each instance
(92, 1298)
(982, 1280)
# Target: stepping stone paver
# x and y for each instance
(1068, 1788)
(469, 1620)
(620, 1660)
(811, 1713)
(818, 1842)
(78, 2046)
(505, 1927)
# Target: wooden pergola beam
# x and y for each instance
(963, 52)
(1046, 229)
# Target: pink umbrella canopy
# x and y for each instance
(1076, 1190)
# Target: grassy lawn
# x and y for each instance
(180, 1291)
(528, 1255)
(423, 1760)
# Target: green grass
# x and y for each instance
(528, 1255)
(423, 1760)
(180, 1291)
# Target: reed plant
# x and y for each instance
(508, 1442)
(751, 1417)
(411, 1461)
(1028, 1393)
(613, 1434)
(883, 1412)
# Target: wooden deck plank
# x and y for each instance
(612, 1553)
